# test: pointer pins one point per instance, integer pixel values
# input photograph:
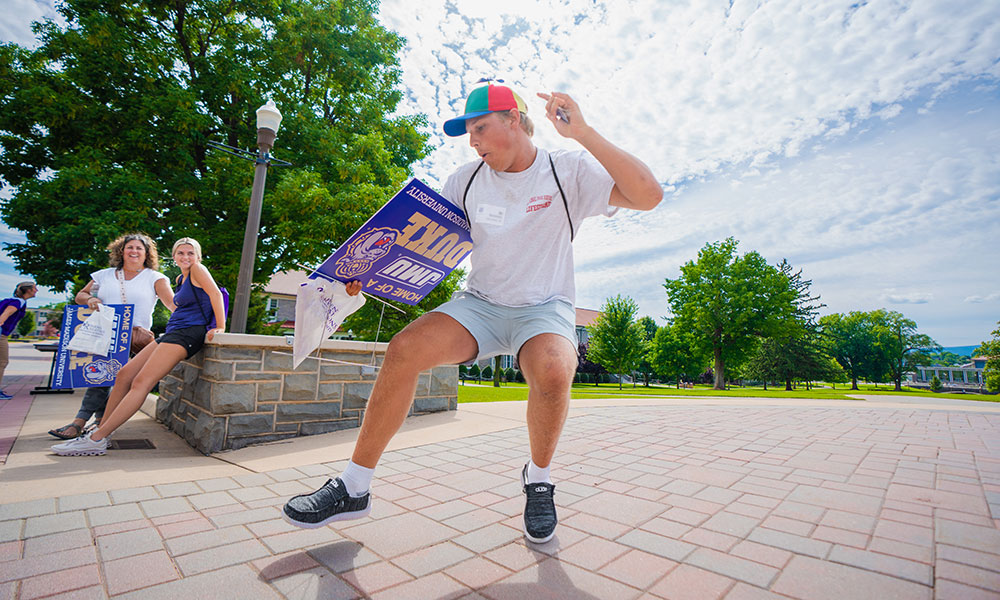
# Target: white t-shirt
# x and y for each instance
(140, 291)
(522, 255)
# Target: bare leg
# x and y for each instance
(124, 377)
(161, 360)
(548, 362)
(433, 339)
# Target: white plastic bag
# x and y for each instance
(320, 307)
(96, 334)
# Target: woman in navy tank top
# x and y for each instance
(198, 298)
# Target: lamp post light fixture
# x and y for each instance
(268, 121)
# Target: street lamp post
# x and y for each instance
(268, 121)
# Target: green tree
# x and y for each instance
(27, 323)
(991, 350)
(935, 384)
(474, 371)
(488, 372)
(498, 371)
(850, 341)
(104, 129)
(616, 337)
(948, 359)
(900, 345)
(648, 328)
(728, 301)
(795, 353)
(790, 359)
(676, 355)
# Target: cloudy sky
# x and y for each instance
(857, 140)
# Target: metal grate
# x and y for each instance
(136, 444)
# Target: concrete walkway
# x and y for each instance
(671, 498)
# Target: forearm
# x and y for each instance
(219, 311)
(636, 185)
(165, 294)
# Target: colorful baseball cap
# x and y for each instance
(482, 101)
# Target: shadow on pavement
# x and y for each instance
(553, 582)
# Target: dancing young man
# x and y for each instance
(524, 205)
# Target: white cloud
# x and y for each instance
(16, 16)
(982, 299)
(857, 140)
(908, 298)
(692, 87)
(907, 213)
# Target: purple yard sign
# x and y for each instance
(78, 369)
(406, 248)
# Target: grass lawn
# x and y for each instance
(519, 391)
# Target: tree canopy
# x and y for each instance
(876, 345)
(991, 350)
(104, 129)
(728, 301)
(850, 341)
(789, 359)
(644, 366)
(901, 346)
(675, 355)
(616, 338)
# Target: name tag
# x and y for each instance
(488, 214)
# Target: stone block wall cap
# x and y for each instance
(285, 342)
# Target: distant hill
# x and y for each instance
(961, 350)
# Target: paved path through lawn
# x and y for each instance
(841, 503)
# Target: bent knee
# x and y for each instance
(552, 377)
(406, 347)
(144, 383)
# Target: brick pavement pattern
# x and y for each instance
(655, 502)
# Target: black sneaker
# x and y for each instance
(539, 510)
(327, 504)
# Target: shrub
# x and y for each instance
(488, 372)
(936, 384)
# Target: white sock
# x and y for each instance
(537, 474)
(357, 479)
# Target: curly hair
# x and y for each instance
(116, 251)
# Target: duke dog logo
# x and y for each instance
(365, 250)
(101, 371)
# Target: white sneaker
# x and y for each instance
(82, 446)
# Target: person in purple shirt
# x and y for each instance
(198, 298)
(11, 312)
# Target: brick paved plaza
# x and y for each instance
(839, 501)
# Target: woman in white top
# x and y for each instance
(132, 278)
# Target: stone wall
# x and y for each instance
(241, 390)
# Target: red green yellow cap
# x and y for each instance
(482, 101)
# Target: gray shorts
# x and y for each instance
(504, 329)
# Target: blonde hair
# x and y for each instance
(116, 251)
(526, 124)
(186, 240)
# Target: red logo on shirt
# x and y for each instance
(538, 203)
